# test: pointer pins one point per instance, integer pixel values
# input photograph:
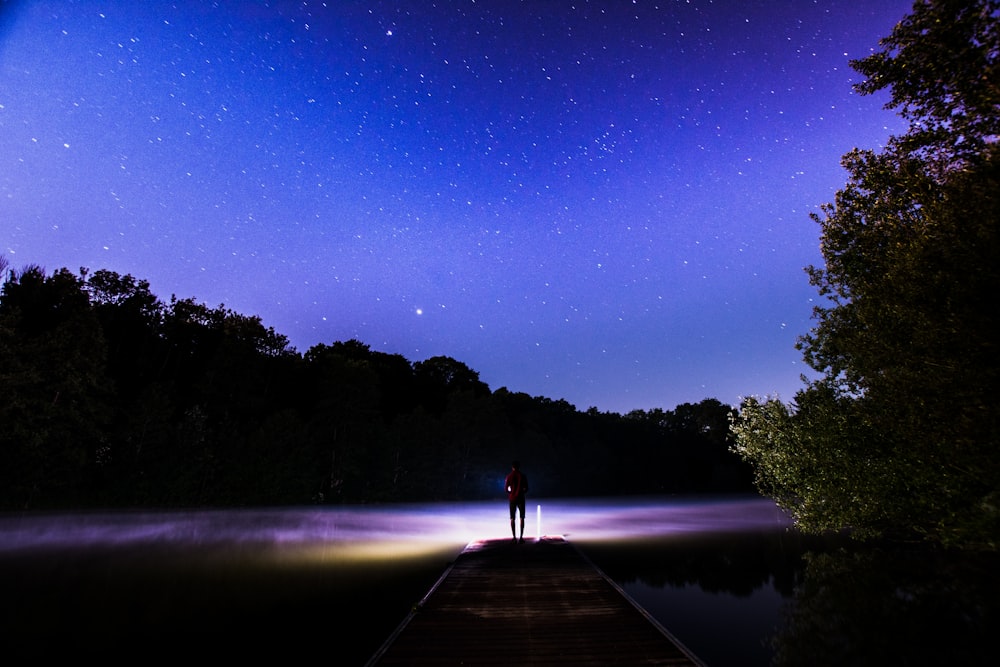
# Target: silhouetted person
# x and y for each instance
(517, 486)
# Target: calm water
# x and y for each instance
(725, 576)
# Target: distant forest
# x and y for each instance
(112, 398)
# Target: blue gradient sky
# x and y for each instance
(602, 202)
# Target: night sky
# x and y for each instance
(602, 202)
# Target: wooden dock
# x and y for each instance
(537, 603)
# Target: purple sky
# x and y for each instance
(603, 202)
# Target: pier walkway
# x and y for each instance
(537, 603)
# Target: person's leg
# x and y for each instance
(513, 510)
(521, 508)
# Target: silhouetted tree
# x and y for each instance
(53, 389)
(438, 377)
(342, 417)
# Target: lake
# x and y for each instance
(728, 577)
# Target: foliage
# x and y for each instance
(940, 66)
(114, 398)
(51, 387)
(899, 434)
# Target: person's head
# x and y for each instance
(516, 465)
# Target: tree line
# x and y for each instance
(110, 397)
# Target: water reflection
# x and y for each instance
(890, 606)
(783, 599)
(726, 576)
(722, 594)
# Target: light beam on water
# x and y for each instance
(388, 531)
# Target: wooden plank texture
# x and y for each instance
(540, 602)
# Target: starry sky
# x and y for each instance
(604, 202)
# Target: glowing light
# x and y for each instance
(360, 533)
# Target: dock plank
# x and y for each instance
(537, 603)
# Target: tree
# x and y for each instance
(439, 377)
(53, 390)
(131, 319)
(899, 433)
(940, 65)
(342, 406)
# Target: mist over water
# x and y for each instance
(727, 576)
(427, 524)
